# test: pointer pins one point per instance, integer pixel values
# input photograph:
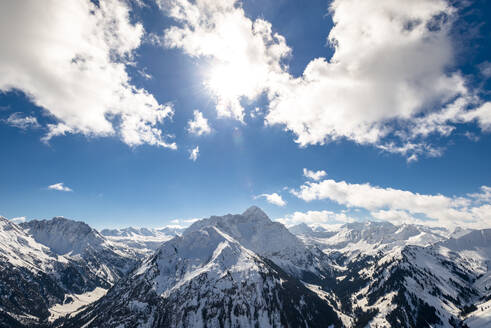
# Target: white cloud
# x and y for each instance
(184, 222)
(190, 221)
(316, 176)
(60, 186)
(391, 77)
(482, 197)
(70, 58)
(485, 68)
(316, 218)
(144, 74)
(19, 219)
(22, 122)
(482, 114)
(198, 125)
(245, 55)
(273, 198)
(194, 153)
(402, 205)
(59, 129)
(391, 62)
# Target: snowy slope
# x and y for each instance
(417, 286)
(83, 245)
(369, 237)
(481, 317)
(27, 284)
(206, 278)
(63, 236)
(304, 230)
(41, 262)
(18, 248)
(142, 240)
(244, 271)
(255, 231)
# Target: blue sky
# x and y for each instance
(391, 102)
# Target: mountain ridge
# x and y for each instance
(244, 270)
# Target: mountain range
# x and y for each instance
(243, 270)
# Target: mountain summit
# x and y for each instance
(255, 212)
(225, 271)
(243, 270)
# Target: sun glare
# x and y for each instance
(229, 81)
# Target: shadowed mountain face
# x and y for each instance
(43, 263)
(244, 270)
(223, 271)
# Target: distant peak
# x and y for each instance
(255, 212)
(59, 222)
(60, 219)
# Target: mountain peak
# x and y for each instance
(255, 212)
(63, 235)
(301, 229)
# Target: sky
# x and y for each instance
(156, 112)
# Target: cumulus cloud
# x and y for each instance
(194, 153)
(183, 222)
(245, 54)
(316, 218)
(70, 59)
(198, 125)
(60, 186)
(19, 219)
(391, 62)
(390, 83)
(484, 196)
(273, 198)
(180, 223)
(482, 115)
(402, 205)
(316, 176)
(22, 122)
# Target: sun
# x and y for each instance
(229, 81)
(222, 80)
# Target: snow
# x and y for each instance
(256, 232)
(224, 255)
(207, 250)
(63, 236)
(20, 249)
(79, 301)
(481, 318)
(347, 320)
(369, 238)
(142, 240)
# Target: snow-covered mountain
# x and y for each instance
(414, 286)
(304, 230)
(369, 237)
(255, 231)
(224, 271)
(45, 264)
(83, 245)
(142, 240)
(244, 270)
